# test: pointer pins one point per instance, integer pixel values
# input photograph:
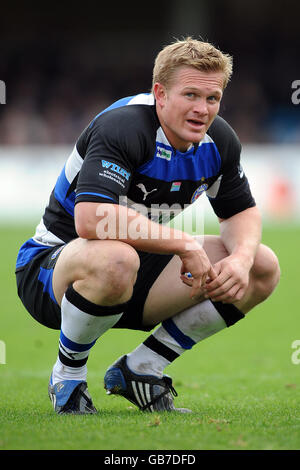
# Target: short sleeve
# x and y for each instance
(231, 192)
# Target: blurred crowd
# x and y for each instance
(55, 85)
(51, 95)
(52, 104)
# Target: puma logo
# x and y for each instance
(143, 189)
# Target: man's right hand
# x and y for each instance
(195, 261)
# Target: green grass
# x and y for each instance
(241, 383)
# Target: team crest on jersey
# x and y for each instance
(199, 191)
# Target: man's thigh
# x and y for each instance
(169, 295)
(81, 258)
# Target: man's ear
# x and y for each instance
(159, 91)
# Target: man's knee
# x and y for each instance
(103, 271)
(265, 271)
(112, 270)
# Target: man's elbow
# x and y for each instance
(84, 224)
(84, 231)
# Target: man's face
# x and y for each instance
(189, 105)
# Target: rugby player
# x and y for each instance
(84, 272)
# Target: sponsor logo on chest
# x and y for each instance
(161, 152)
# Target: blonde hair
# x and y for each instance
(190, 52)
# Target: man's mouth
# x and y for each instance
(196, 123)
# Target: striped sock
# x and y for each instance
(83, 322)
(180, 333)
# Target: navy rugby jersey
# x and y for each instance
(124, 153)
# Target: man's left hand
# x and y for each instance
(231, 282)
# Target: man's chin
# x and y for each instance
(197, 137)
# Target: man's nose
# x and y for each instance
(200, 106)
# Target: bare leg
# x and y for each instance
(102, 271)
(264, 277)
(186, 322)
(92, 280)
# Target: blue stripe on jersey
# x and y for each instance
(116, 104)
(45, 276)
(60, 191)
(29, 250)
(184, 341)
(205, 162)
(96, 194)
(75, 346)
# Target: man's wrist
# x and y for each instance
(188, 244)
(245, 257)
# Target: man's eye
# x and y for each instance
(213, 98)
(190, 95)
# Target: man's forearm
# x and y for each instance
(116, 222)
(241, 234)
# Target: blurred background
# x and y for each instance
(64, 63)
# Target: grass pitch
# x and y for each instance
(241, 384)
